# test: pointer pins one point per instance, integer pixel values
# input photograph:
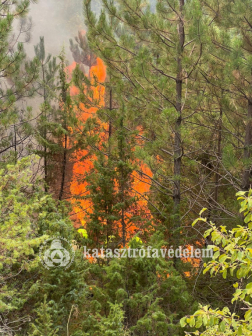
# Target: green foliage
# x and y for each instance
(232, 257)
(17, 79)
(113, 324)
(151, 294)
(114, 202)
(179, 92)
(20, 205)
(28, 217)
(43, 325)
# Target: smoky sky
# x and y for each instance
(58, 21)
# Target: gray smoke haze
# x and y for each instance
(57, 21)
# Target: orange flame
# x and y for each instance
(81, 168)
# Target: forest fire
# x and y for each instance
(82, 167)
(83, 161)
(126, 188)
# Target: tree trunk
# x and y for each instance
(217, 175)
(63, 169)
(109, 206)
(122, 187)
(15, 143)
(247, 148)
(110, 108)
(177, 141)
(64, 163)
(45, 130)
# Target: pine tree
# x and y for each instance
(151, 294)
(101, 218)
(166, 68)
(43, 324)
(151, 62)
(29, 217)
(81, 51)
(17, 81)
(115, 211)
(131, 212)
(46, 89)
(58, 129)
(113, 324)
(232, 37)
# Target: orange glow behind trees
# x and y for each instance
(83, 160)
(82, 167)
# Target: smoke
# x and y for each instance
(57, 21)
